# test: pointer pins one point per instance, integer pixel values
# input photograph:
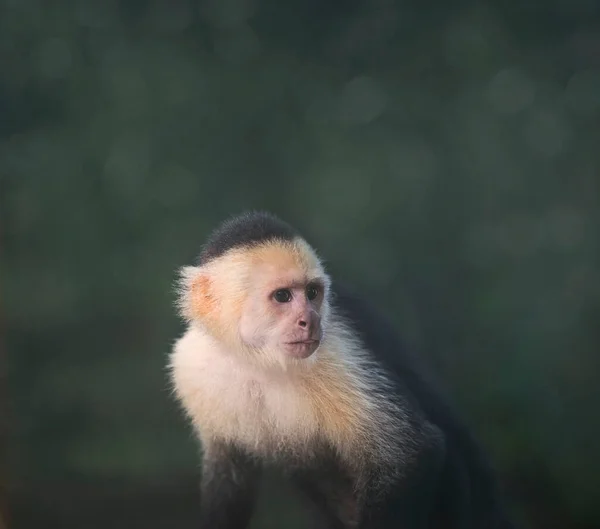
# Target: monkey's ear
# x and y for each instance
(196, 297)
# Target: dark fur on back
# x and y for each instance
(469, 495)
(246, 229)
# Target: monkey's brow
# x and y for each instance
(305, 282)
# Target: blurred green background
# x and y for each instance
(443, 156)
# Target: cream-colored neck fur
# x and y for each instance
(273, 411)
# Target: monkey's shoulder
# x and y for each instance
(379, 337)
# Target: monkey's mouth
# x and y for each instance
(302, 348)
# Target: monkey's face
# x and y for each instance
(270, 300)
(286, 303)
(284, 316)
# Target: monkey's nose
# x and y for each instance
(308, 321)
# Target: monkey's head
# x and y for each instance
(259, 288)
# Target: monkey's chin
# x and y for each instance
(302, 349)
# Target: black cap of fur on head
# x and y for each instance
(247, 229)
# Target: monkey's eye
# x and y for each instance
(283, 295)
(312, 292)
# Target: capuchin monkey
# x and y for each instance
(279, 366)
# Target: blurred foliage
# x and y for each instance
(442, 156)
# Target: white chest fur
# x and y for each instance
(332, 400)
(235, 400)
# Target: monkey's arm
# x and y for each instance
(228, 488)
(405, 497)
(411, 498)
